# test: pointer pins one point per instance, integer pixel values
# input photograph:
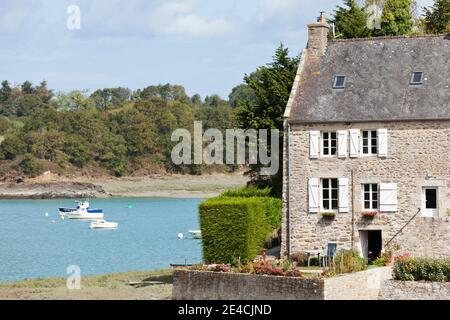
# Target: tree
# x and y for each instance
(5, 91)
(241, 95)
(437, 17)
(111, 98)
(11, 147)
(30, 165)
(350, 21)
(165, 92)
(272, 86)
(397, 18)
(74, 100)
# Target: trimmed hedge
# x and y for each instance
(247, 192)
(235, 229)
(422, 269)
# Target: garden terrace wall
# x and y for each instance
(200, 285)
(410, 290)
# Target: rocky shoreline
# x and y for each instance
(53, 190)
(174, 186)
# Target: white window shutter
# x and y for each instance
(342, 144)
(343, 195)
(314, 144)
(382, 143)
(354, 143)
(314, 188)
(388, 197)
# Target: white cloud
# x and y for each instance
(177, 18)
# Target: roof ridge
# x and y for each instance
(391, 37)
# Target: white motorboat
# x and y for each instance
(102, 224)
(196, 234)
(82, 211)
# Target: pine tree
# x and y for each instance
(437, 17)
(350, 21)
(397, 18)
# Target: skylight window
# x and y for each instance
(339, 82)
(417, 78)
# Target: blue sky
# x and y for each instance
(207, 46)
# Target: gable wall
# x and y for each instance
(415, 149)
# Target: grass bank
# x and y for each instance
(105, 287)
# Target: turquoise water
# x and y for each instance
(35, 246)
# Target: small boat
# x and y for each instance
(196, 234)
(102, 224)
(82, 211)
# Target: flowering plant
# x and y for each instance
(369, 214)
(404, 256)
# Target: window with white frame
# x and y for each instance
(329, 144)
(370, 143)
(330, 195)
(370, 196)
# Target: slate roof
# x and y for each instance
(378, 72)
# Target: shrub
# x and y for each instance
(30, 165)
(422, 269)
(233, 229)
(348, 261)
(273, 210)
(247, 192)
(11, 147)
(273, 206)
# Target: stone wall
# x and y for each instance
(416, 150)
(357, 286)
(196, 285)
(405, 290)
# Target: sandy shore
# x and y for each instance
(106, 287)
(173, 186)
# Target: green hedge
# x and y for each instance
(247, 192)
(422, 269)
(235, 229)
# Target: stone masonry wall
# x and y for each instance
(406, 290)
(416, 150)
(364, 285)
(198, 285)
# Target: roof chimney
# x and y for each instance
(318, 36)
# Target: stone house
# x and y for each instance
(368, 133)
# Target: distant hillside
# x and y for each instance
(113, 131)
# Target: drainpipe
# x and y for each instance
(353, 210)
(288, 191)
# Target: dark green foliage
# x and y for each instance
(396, 18)
(272, 86)
(111, 98)
(30, 165)
(113, 128)
(422, 269)
(233, 229)
(437, 17)
(350, 21)
(241, 95)
(11, 147)
(165, 92)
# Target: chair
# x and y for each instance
(329, 253)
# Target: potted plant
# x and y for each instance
(369, 214)
(329, 215)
